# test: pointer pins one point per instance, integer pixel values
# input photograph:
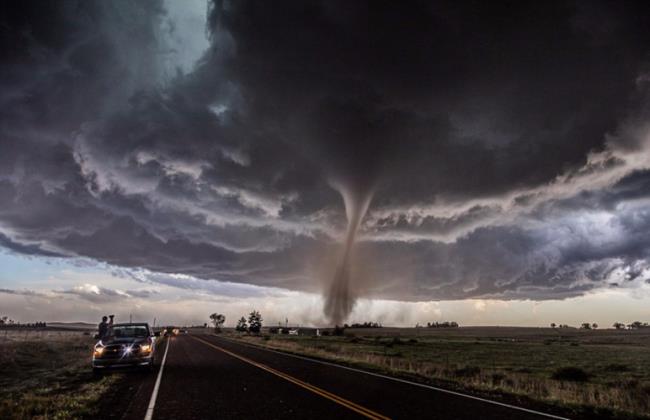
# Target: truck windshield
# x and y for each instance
(128, 331)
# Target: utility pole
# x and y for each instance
(130, 318)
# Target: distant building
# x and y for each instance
(308, 331)
(296, 331)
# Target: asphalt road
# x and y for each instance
(209, 377)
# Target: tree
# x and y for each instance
(241, 325)
(594, 326)
(553, 325)
(619, 325)
(254, 322)
(585, 326)
(217, 320)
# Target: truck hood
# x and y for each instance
(124, 340)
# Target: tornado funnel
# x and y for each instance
(340, 298)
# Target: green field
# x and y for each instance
(47, 375)
(603, 373)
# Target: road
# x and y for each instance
(209, 377)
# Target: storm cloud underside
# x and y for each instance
(480, 150)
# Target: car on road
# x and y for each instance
(171, 331)
(127, 345)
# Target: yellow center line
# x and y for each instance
(326, 394)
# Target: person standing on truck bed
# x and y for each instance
(104, 326)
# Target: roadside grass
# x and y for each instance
(47, 375)
(589, 374)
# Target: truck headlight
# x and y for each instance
(99, 349)
(145, 348)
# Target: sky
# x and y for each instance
(325, 161)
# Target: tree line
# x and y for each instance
(364, 325)
(444, 324)
(636, 325)
(6, 322)
(253, 324)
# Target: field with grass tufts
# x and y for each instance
(46, 375)
(587, 374)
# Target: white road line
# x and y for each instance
(379, 375)
(154, 394)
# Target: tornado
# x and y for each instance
(341, 296)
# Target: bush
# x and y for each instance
(468, 371)
(627, 384)
(570, 373)
(617, 367)
(497, 378)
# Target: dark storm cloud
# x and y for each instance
(502, 148)
(431, 92)
(27, 249)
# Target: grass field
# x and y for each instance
(604, 373)
(589, 374)
(46, 375)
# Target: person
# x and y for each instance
(104, 326)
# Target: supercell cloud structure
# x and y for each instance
(502, 151)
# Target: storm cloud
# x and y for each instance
(501, 150)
